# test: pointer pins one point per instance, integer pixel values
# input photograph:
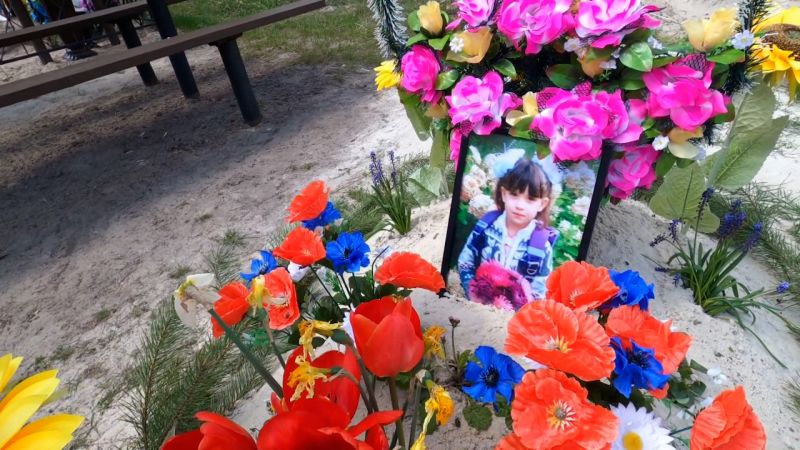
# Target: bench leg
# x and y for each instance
(132, 40)
(240, 82)
(22, 15)
(166, 28)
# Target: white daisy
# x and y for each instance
(457, 44)
(743, 40)
(573, 44)
(660, 142)
(640, 430)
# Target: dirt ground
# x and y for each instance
(109, 188)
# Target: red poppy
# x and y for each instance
(301, 246)
(631, 323)
(558, 337)
(409, 270)
(580, 285)
(231, 307)
(552, 411)
(729, 423)
(388, 335)
(309, 203)
(216, 433)
(318, 423)
(281, 303)
(340, 390)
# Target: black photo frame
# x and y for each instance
(451, 241)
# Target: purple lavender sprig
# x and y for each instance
(783, 287)
(376, 169)
(753, 238)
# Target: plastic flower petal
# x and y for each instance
(432, 337)
(430, 17)
(535, 22)
(301, 246)
(494, 373)
(705, 34)
(631, 323)
(308, 378)
(260, 266)
(386, 75)
(607, 22)
(639, 429)
(187, 306)
(551, 410)
(480, 103)
(231, 306)
(439, 405)
(580, 285)
(280, 299)
(420, 67)
(554, 335)
(633, 290)
(216, 432)
(309, 203)
(348, 252)
(310, 328)
(329, 215)
(472, 45)
(409, 270)
(637, 367)
(729, 423)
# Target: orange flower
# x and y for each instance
(409, 270)
(580, 285)
(729, 423)
(631, 323)
(216, 432)
(552, 411)
(309, 203)
(281, 299)
(231, 306)
(301, 246)
(558, 337)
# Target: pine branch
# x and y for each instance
(390, 31)
(224, 261)
(752, 12)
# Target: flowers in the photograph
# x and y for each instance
(729, 422)
(409, 270)
(498, 286)
(420, 69)
(481, 102)
(640, 429)
(494, 373)
(536, 22)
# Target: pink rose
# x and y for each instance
(474, 12)
(480, 102)
(420, 67)
(540, 22)
(633, 170)
(577, 122)
(606, 22)
(681, 90)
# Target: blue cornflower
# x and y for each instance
(327, 217)
(496, 373)
(348, 252)
(633, 290)
(783, 286)
(260, 266)
(637, 367)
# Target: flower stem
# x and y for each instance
(366, 374)
(396, 406)
(415, 387)
(681, 430)
(361, 389)
(330, 296)
(233, 336)
(272, 342)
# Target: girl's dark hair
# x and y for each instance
(526, 176)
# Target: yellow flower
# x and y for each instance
(22, 402)
(430, 17)
(433, 341)
(439, 402)
(476, 44)
(705, 34)
(419, 444)
(780, 64)
(530, 109)
(788, 16)
(304, 377)
(257, 293)
(385, 75)
(309, 328)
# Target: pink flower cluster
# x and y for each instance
(474, 12)
(480, 102)
(577, 122)
(420, 68)
(607, 22)
(682, 91)
(633, 170)
(539, 22)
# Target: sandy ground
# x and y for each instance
(107, 187)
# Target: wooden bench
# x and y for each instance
(223, 36)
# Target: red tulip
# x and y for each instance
(388, 335)
(216, 433)
(318, 423)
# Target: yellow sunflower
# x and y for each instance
(22, 402)
(386, 75)
(780, 48)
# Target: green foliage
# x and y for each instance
(416, 114)
(478, 416)
(679, 197)
(793, 394)
(638, 57)
(427, 184)
(391, 193)
(684, 389)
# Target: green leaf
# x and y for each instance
(439, 43)
(440, 148)
(447, 79)
(729, 56)
(413, 21)
(663, 61)
(565, 76)
(679, 197)
(425, 184)
(505, 67)
(664, 164)
(638, 57)
(728, 116)
(419, 37)
(631, 80)
(751, 139)
(416, 115)
(478, 416)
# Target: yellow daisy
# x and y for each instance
(386, 75)
(780, 49)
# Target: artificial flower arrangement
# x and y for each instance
(347, 323)
(578, 76)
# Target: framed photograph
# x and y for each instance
(515, 216)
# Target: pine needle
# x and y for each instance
(390, 31)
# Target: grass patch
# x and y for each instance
(102, 315)
(62, 353)
(793, 394)
(179, 272)
(340, 33)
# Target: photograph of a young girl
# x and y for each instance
(520, 215)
